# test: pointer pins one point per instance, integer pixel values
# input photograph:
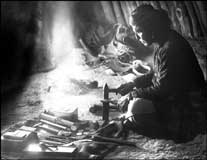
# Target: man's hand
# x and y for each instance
(121, 33)
(123, 102)
(126, 88)
(134, 93)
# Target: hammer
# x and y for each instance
(106, 91)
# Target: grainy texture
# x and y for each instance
(45, 90)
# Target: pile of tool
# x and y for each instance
(49, 135)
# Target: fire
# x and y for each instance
(64, 95)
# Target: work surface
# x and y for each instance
(63, 91)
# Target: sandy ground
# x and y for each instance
(62, 90)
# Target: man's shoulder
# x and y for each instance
(175, 42)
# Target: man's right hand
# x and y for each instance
(126, 88)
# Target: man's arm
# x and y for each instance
(144, 81)
(163, 84)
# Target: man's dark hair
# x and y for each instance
(154, 20)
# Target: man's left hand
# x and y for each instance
(126, 88)
(134, 93)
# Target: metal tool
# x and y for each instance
(113, 140)
(106, 101)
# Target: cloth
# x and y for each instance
(180, 120)
(176, 74)
(176, 70)
(172, 119)
(146, 124)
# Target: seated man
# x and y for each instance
(159, 100)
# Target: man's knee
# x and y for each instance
(140, 106)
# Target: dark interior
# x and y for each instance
(32, 33)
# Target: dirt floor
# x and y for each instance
(62, 90)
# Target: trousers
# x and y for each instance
(170, 121)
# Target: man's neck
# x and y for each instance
(162, 38)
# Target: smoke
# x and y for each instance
(62, 31)
(65, 95)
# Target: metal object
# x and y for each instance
(106, 91)
(113, 140)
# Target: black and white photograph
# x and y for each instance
(103, 80)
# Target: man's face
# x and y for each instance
(141, 34)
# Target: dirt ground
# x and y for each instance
(62, 90)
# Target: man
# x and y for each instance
(160, 100)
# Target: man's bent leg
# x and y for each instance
(141, 117)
